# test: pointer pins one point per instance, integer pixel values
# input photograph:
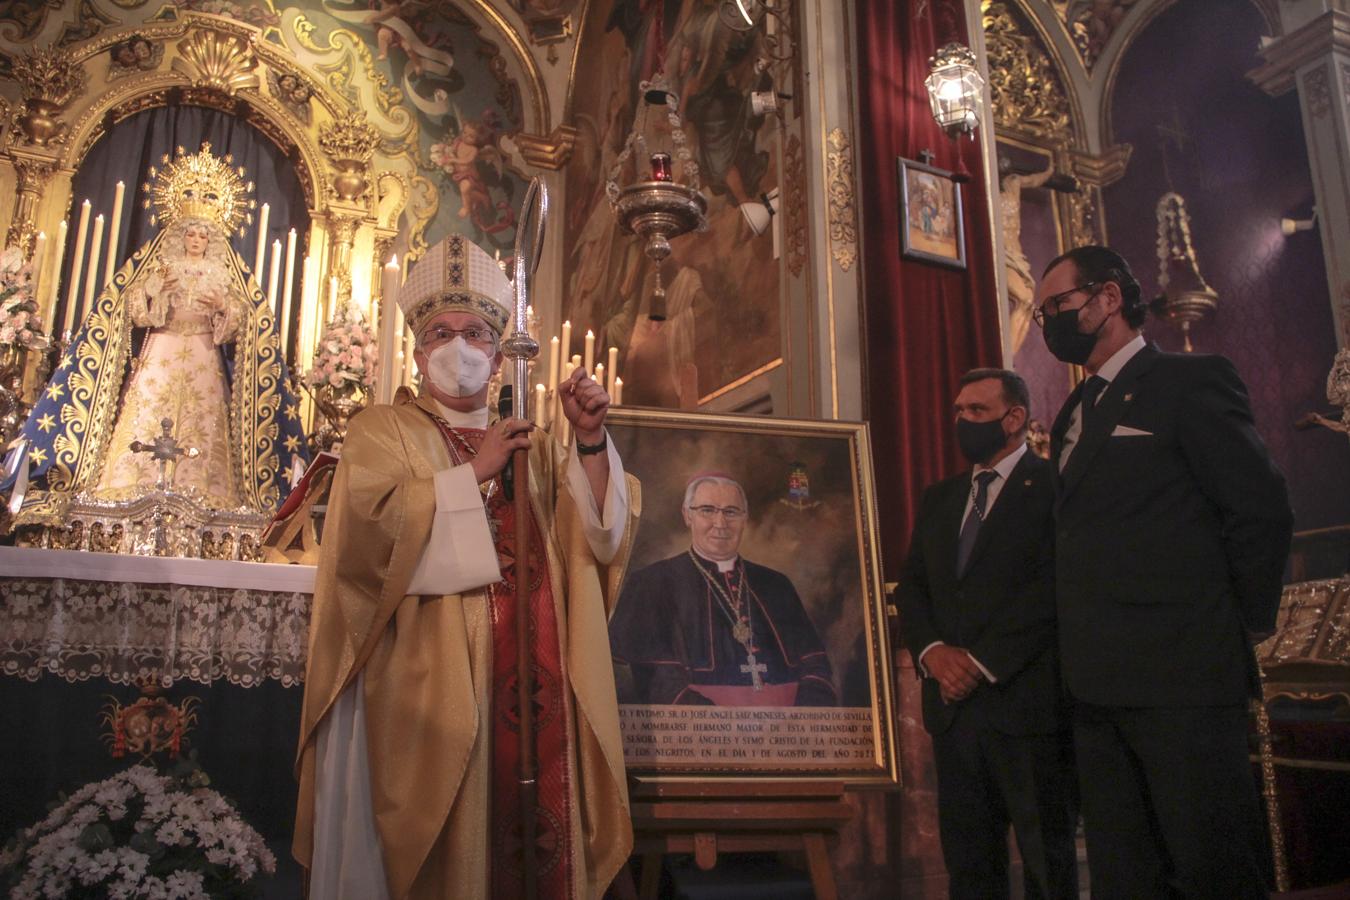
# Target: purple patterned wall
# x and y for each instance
(1238, 157)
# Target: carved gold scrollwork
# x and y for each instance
(349, 143)
(551, 151)
(217, 61)
(843, 212)
(1026, 90)
(48, 80)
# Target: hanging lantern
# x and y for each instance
(1186, 297)
(656, 206)
(955, 89)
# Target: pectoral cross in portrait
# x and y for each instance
(753, 669)
(165, 450)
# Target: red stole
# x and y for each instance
(553, 838)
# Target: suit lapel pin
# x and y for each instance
(1128, 397)
(1027, 483)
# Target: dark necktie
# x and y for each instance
(970, 530)
(1092, 391)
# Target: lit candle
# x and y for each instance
(590, 351)
(600, 373)
(618, 392)
(91, 276)
(287, 290)
(661, 167)
(259, 257)
(76, 266)
(540, 394)
(565, 348)
(114, 229)
(576, 364)
(274, 275)
(613, 368)
(552, 364)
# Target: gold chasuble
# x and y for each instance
(427, 667)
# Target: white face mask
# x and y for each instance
(459, 369)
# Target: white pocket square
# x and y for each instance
(1127, 431)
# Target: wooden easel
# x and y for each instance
(706, 818)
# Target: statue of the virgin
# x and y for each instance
(234, 424)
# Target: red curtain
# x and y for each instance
(926, 324)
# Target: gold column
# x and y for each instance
(33, 171)
(349, 143)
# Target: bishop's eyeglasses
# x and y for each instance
(436, 335)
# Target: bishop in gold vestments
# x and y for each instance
(406, 731)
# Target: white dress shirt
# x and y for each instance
(1108, 372)
(1003, 468)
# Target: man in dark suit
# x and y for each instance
(1172, 529)
(978, 614)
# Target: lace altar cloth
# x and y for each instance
(128, 619)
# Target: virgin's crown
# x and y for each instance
(199, 186)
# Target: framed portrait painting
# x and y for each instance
(931, 227)
(749, 637)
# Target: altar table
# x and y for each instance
(85, 634)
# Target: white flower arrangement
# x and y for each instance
(20, 324)
(138, 834)
(347, 354)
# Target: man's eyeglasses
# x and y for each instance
(436, 335)
(1052, 303)
(730, 513)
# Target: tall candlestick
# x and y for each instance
(590, 351)
(91, 276)
(306, 279)
(287, 289)
(613, 369)
(540, 393)
(76, 266)
(274, 275)
(35, 267)
(552, 364)
(565, 349)
(618, 392)
(259, 258)
(114, 229)
(61, 231)
(388, 319)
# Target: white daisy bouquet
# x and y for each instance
(138, 834)
(20, 325)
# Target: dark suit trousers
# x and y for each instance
(986, 780)
(1170, 805)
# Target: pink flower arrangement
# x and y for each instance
(346, 355)
(20, 324)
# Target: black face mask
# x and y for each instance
(979, 441)
(1065, 341)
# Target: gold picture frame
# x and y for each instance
(932, 225)
(810, 533)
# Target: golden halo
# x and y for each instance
(200, 186)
